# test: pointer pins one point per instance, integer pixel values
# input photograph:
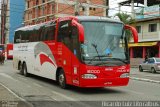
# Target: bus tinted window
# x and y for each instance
(31, 37)
(24, 36)
(17, 37)
(64, 34)
(43, 32)
(64, 30)
(50, 32)
(35, 35)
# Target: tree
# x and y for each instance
(126, 19)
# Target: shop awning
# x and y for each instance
(142, 44)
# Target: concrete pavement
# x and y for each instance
(10, 99)
(6, 95)
(146, 76)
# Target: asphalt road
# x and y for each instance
(41, 92)
(145, 75)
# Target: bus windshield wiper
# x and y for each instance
(95, 47)
(124, 61)
(111, 59)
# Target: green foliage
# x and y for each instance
(126, 19)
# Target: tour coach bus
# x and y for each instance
(84, 51)
(9, 50)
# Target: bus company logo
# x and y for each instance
(122, 69)
(44, 58)
(93, 71)
(109, 69)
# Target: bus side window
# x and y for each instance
(25, 36)
(22, 38)
(50, 33)
(17, 38)
(33, 35)
(36, 36)
(43, 34)
(74, 33)
(64, 30)
(64, 33)
(75, 42)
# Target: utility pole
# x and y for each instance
(119, 8)
(77, 8)
(2, 13)
(107, 9)
(3, 20)
(132, 8)
(145, 3)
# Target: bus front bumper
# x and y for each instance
(103, 82)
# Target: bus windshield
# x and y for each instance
(105, 42)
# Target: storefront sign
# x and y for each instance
(152, 11)
(139, 13)
(142, 44)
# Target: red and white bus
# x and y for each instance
(9, 50)
(84, 51)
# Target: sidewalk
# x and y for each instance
(10, 99)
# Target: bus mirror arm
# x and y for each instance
(134, 32)
(80, 30)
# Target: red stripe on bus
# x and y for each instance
(44, 58)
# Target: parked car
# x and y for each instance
(152, 64)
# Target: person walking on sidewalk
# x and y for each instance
(2, 58)
(146, 57)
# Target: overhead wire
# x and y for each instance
(72, 6)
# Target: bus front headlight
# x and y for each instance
(124, 75)
(89, 76)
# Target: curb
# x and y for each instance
(144, 79)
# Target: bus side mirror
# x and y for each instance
(134, 32)
(80, 30)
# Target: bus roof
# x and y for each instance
(79, 18)
(31, 27)
(97, 18)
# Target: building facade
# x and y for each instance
(148, 28)
(149, 39)
(38, 11)
(16, 16)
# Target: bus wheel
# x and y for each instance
(62, 79)
(25, 70)
(21, 69)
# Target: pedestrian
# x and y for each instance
(146, 57)
(2, 58)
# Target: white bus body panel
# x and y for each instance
(31, 53)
